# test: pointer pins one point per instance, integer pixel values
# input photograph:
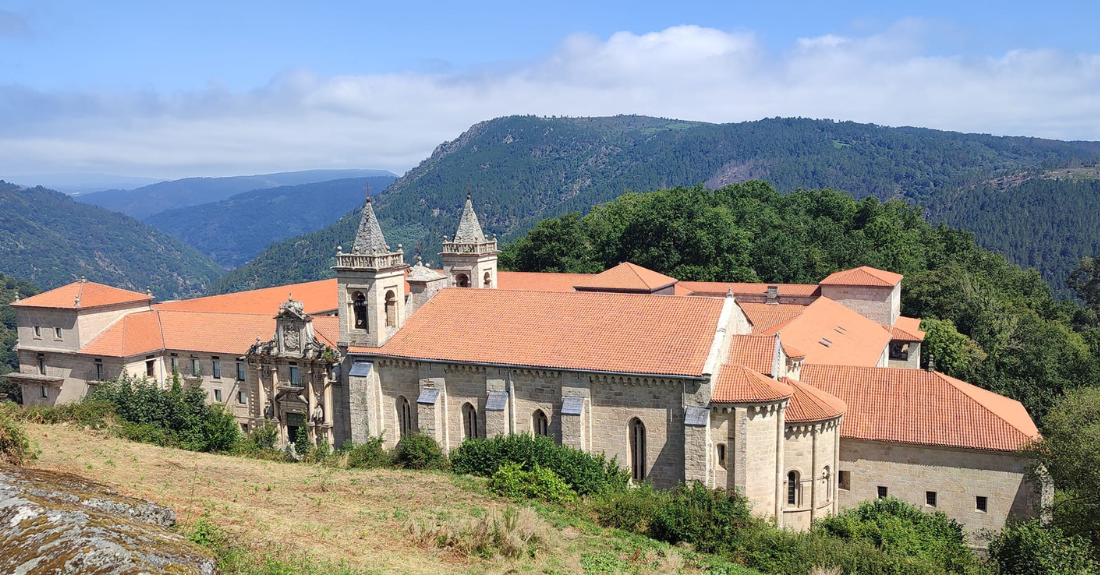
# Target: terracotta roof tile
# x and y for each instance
(863, 276)
(83, 295)
(756, 352)
(766, 316)
(133, 334)
(832, 334)
(793, 352)
(922, 407)
(535, 281)
(906, 329)
(317, 296)
(326, 329)
(809, 403)
(610, 332)
(157, 330)
(626, 277)
(739, 384)
(718, 289)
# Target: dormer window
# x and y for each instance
(899, 350)
(359, 303)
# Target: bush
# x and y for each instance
(420, 452)
(369, 455)
(15, 448)
(628, 509)
(1029, 548)
(709, 519)
(511, 480)
(512, 533)
(585, 473)
(92, 413)
(263, 436)
(302, 445)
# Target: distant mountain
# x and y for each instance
(523, 169)
(148, 200)
(233, 231)
(79, 183)
(49, 239)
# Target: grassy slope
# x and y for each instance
(356, 517)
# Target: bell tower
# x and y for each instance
(370, 286)
(470, 260)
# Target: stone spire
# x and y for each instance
(469, 230)
(369, 239)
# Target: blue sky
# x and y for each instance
(218, 88)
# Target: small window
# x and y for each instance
(99, 370)
(845, 480)
(981, 503)
(37, 331)
(637, 450)
(359, 305)
(722, 455)
(882, 492)
(240, 371)
(462, 280)
(175, 364)
(488, 280)
(244, 428)
(57, 332)
(540, 424)
(217, 368)
(391, 309)
(41, 364)
(930, 498)
(242, 398)
(45, 392)
(218, 395)
(150, 368)
(196, 370)
(793, 487)
(469, 421)
(294, 376)
(404, 416)
(899, 350)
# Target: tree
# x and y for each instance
(1085, 281)
(953, 351)
(1028, 548)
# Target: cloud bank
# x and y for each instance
(393, 121)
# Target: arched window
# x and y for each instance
(469, 421)
(488, 280)
(793, 489)
(391, 309)
(540, 424)
(637, 450)
(462, 280)
(359, 302)
(722, 455)
(404, 416)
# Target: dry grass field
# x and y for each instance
(357, 519)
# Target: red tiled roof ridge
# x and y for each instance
(736, 383)
(66, 296)
(861, 276)
(636, 277)
(826, 405)
(972, 391)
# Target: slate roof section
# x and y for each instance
(469, 229)
(809, 404)
(924, 408)
(621, 333)
(739, 384)
(626, 277)
(368, 238)
(81, 295)
(863, 276)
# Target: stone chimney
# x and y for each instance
(773, 294)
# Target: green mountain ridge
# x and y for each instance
(522, 169)
(237, 229)
(49, 239)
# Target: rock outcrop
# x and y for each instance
(61, 523)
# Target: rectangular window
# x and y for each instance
(195, 369)
(930, 498)
(294, 375)
(240, 371)
(881, 492)
(175, 364)
(845, 480)
(150, 367)
(722, 455)
(217, 368)
(45, 392)
(218, 395)
(37, 331)
(99, 370)
(57, 332)
(41, 364)
(981, 503)
(242, 397)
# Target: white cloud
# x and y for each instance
(301, 120)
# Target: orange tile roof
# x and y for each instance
(609, 332)
(863, 276)
(922, 407)
(317, 296)
(765, 316)
(832, 334)
(756, 352)
(134, 334)
(906, 329)
(157, 330)
(535, 281)
(749, 289)
(809, 403)
(83, 295)
(626, 277)
(792, 351)
(326, 329)
(739, 384)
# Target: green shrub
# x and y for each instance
(91, 413)
(585, 473)
(15, 447)
(302, 445)
(627, 509)
(369, 455)
(420, 452)
(709, 519)
(511, 533)
(263, 436)
(1031, 549)
(511, 480)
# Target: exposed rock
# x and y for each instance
(61, 523)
